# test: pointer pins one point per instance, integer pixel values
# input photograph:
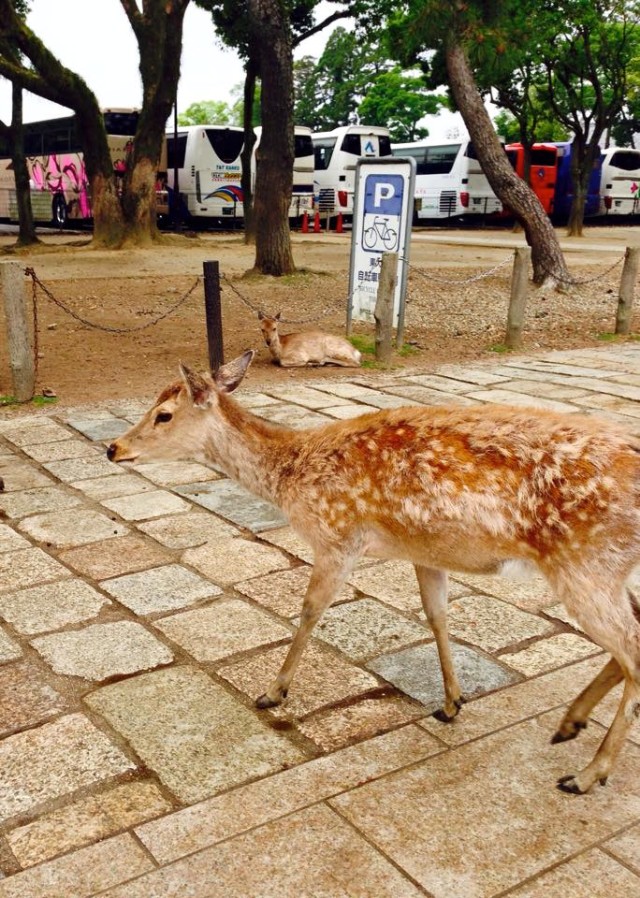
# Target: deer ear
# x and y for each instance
(278, 316)
(198, 387)
(229, 376)
(261, 315)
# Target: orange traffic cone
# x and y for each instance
(339, 223)
(316, 223)
(305, 223)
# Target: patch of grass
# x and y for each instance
(44, 400)
(607, 338)
(499, 347)
(38, 401)
(407, 349)
(363, 344)
(8, 400)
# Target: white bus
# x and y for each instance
(449, 180)
(302, 193)
(620, 182)
(336, 154)
(207, 159)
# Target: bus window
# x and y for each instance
(175, 157)
(439, 160)
(226, 144)
(303, 145)
(351, 144)
(545, 156)
(323, 151)
(627, 160)
(384, 144)
(121, 123)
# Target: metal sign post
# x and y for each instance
(382, 217)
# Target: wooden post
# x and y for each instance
(518, 300)
(213, 314)
(627, 287)
(21, 360)
(383, 312)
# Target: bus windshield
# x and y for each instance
(226, 144)
(323, 151)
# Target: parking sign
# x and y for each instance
(382, 216)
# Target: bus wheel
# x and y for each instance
(59, 211)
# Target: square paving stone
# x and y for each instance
(90, 819)
(532, 594)
(177, 473)
(626, 847)
(103, 650)
(395, 583)
(142, 506)
(346, 412)
(54, 760)
(293, 416)
(284, 591)
(51, 606)
(111, 487)
(231, 559)
(27, 699)
(10, 540)
(35, 501)
(9, 650)
(285, 538)
(100, 430)
(549, 653)
(416, 671)
(498, 796)
(234, 503)
(34, 431)
(28, 566)
(590, 875)
(306, 396)
(363, 720)
(191, 733)
(71, 528)
(82, 873)
(338, 863)
(71, 469)
(114, 557)
(322, 679)
(184, 531)
(160, 589)
(493, 624)
(20, 475)
(224, 628)
(365, 628)
(64, 449)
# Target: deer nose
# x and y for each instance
(111, 452)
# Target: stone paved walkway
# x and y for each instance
(141, 613)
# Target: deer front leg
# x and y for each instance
(577, 715)
(327, 578)
(433, 592)
(601, 765)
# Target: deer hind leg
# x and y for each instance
(433, 592)
(601, 765)
(327, 578)
(575, 720)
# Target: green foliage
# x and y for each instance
(207, 112)
(399, 101)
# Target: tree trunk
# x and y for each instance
(270, 26)
(26, 228)
(546, 256)
(247, 151)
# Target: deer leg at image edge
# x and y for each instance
(433, 592)
(327, 578)
(578, 713)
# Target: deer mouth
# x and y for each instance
(113, 454)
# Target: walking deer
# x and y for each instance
(307, 347)
(466, 489)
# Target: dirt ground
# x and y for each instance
(114, 325)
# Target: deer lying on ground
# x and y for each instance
(466, 489)
(307, 347)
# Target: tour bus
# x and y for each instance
(543, 172)
(205, 159)
(336, 154)
(302, 193)
(60, 191)
(620, 182)
(450, 183)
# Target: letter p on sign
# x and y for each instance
(382, 192)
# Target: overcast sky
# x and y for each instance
(103, 50)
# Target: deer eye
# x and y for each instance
(163, 417)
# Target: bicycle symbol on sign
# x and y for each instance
(380, 235)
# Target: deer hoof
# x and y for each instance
(443, 717)
(568, 731)
(266, 702)
(570, 785)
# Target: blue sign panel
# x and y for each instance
(383, 194)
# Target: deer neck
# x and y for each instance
(249, 449)
(276, 346)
